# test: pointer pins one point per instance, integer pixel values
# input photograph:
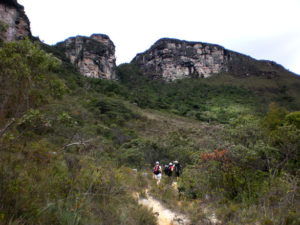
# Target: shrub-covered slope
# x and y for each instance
(58, 145)
(68, 143)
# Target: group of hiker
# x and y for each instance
(169, 169)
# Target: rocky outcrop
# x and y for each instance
(171, 59)
(93, 56)
(15, 24)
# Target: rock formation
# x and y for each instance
(93, 56)
(14, 23)
(171, 59)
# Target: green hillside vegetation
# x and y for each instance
(58, 149)
(68, 144)
(218, 98)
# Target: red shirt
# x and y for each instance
(172, 167)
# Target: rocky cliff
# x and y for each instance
(15, 24)
(172, 59)
(93, 56)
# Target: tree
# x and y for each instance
(27, 80)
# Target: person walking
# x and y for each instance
(166, 169)
(171, 168)
(177, 168)
(157, 172)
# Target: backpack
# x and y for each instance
(167, 169)
(156, 169)
(177, 168)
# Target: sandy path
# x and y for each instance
(164, 216)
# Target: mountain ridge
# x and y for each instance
(172, 59)
(167, 58)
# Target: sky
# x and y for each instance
(262, 29)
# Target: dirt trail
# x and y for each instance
(164, 216)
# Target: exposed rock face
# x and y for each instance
(172, 59)
(93, 56)
(13, 17)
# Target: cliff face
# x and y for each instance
(12, 16)
(172, 59)
(93, 56)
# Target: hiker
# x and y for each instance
(177, 168)
(157, 172)
(166, 169)
(171, 168)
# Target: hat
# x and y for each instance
(157, 162)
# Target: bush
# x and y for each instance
(110, 111)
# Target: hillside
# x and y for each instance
(67, 127)
(74, 149)
(172, 60)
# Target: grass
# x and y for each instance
(70, 159)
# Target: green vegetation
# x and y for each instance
(217, 99)
(68, 144)
(57, 146)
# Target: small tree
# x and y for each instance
(27, 80)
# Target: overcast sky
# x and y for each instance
(263, 29)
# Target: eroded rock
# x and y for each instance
(94, 56)
(171, 59)
(14, 20)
